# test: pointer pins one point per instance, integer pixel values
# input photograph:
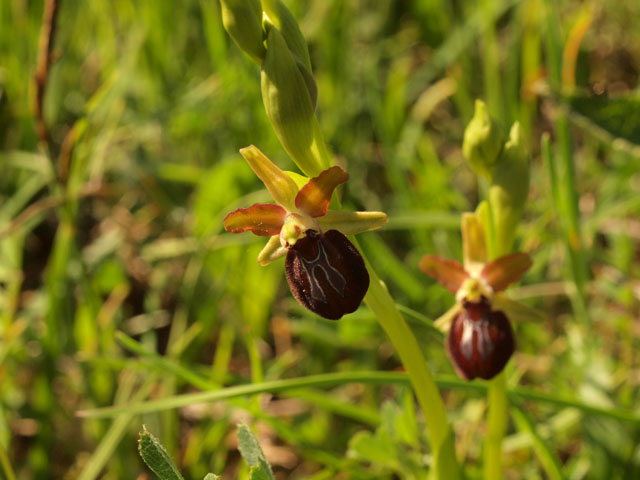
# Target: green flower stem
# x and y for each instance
(382, 305)
(496, 428)
(445, 464)
(498, 403)
(6, 465)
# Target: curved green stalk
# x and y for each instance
(6, 465)
(496, 427)
(380, 302)
(445, 464)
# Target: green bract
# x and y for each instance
(279, 16)
(483, 141)
(243, 20)
(509, 189)
(288, 104)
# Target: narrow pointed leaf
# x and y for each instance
(315, 196)
(280, 185)
(506, 270)
(448, 273)
(264, 219)
(350, 223)
(272, 251)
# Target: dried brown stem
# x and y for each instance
(45, 47)
(49, 203)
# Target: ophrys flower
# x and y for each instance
(325, 272)
(480, 340)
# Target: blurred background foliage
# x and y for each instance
(121, 286)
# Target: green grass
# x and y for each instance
(122, 296)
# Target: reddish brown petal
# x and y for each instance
(326, 274)
(448, 273)
(506, 270)
(480, 341)
(264, 219)
(315, 196)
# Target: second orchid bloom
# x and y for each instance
(325, 271)
(480, 340)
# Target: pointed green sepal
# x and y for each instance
(280, 185)
(272, 251)
(516, 311)
(242, 19)
(351, 223)
(443, 322)
(483, 141)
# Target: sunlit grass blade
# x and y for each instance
(548, 459)
(367, 377)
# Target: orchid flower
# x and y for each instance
(325, 271)
(480, 340)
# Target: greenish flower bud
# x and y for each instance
(509, 190)
(242, 19)
(288, 104)
(483, 140)
(276, 14)
(280, 17)
(312, 87)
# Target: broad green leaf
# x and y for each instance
(378, 449)
(260, 472)
(156, 457)
(252, 454)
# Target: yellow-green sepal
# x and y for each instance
(272, 251)
(350, 223)
(280, 185)
(474, 249)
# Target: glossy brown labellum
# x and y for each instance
(326, 274)
(480, 341)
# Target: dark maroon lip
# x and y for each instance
(327, 274)
(480, 341)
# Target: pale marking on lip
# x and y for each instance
(475, 333)
(334, 277)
